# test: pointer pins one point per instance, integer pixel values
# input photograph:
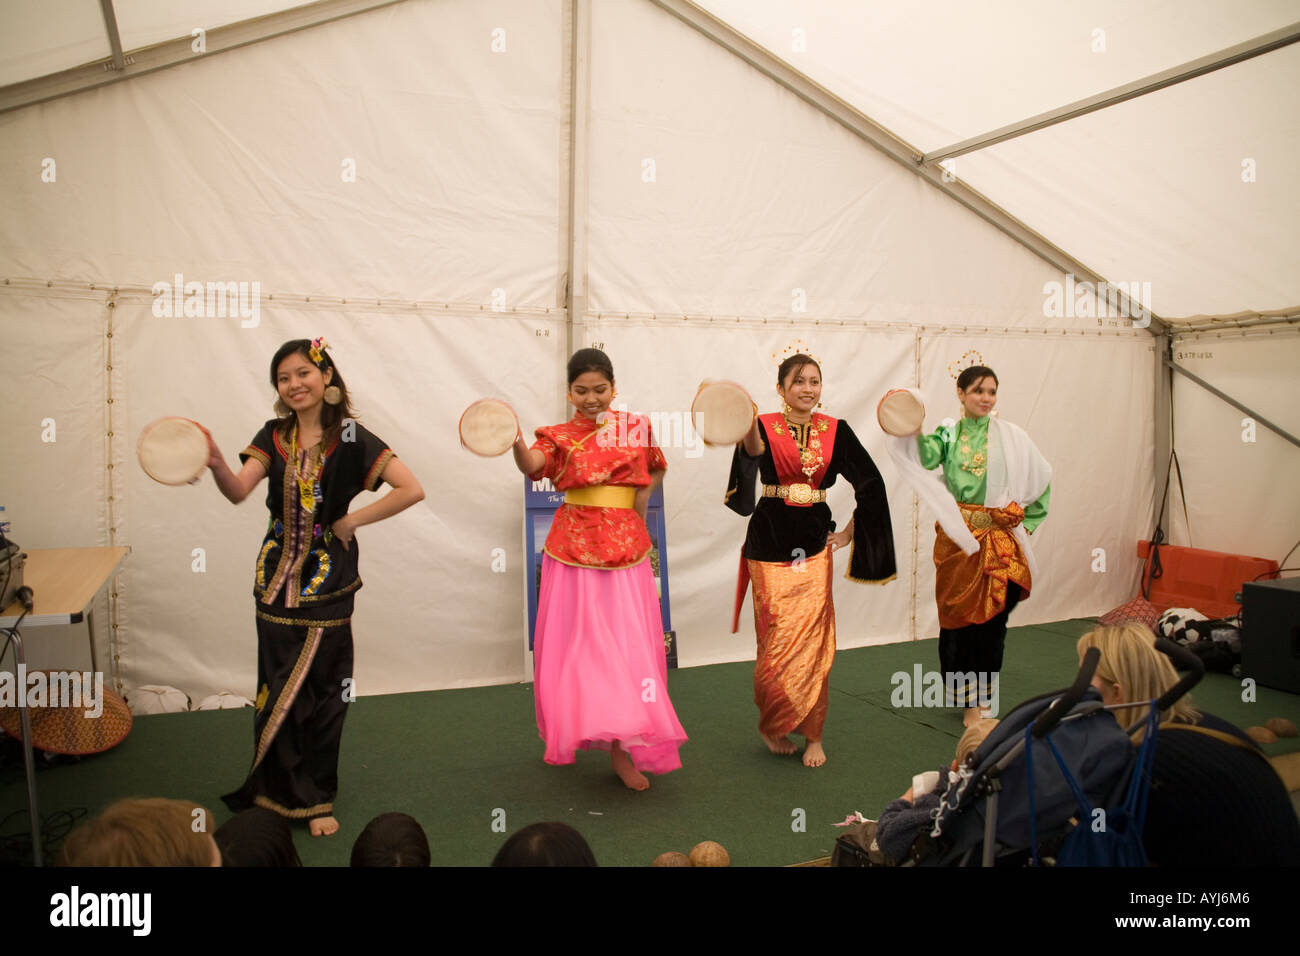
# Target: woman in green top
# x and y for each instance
(1001, 485)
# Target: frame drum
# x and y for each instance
(722, 413)
(173, 451)
(488, 428)
(900, 413)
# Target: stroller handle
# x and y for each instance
(1186, 660)
(1052, 715)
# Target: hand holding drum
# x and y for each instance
(174, 451)
(489, 428)
(722, 413)
(901, 413)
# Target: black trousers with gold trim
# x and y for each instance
(303, 678)
(975, 649)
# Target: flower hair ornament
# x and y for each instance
(317, 352)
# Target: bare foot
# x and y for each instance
(632, 778)
(779, 745)
(323, 826)
(813, 755)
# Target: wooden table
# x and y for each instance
(64, 583)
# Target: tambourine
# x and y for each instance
(488, 428)
(173, 451)
(722, 413)
(900, 413)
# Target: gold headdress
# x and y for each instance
(962, 364)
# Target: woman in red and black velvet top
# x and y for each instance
(798, 454)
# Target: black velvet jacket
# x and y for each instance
(781, 532)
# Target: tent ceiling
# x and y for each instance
(1155, 191)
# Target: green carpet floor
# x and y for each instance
(468, 763)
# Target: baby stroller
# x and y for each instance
(1054, 757)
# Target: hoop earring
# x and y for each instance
(333, 395)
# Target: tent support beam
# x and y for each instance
(1168, 361)
(1162, 417)
(1220, 325)
(1156, 81)
(114, 39)
(896, 149)
(575, 295)
(160, 56)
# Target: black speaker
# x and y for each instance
(1270, 633)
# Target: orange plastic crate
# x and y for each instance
(1206, 580)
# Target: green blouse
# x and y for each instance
(962, 450)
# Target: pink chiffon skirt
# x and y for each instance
(600, 673)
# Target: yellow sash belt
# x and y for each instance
(602, 496)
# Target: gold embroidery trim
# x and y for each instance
(881, 581)
(376, 472)
(322, 572)
(318, 598)
(289, 691)
(299, 622)
(261, 563)
(252, 451)
(318, 810)
(287, 510)
(598, 567)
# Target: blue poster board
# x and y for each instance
(541, 501)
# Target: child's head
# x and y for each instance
(972, 738)
(144, 832)
(301, 380)
(391, 839)
(257, 837)
(545, 844)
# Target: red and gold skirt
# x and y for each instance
(794, 618)
(972, 589)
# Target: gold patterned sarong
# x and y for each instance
(972, 589)
(794, 618)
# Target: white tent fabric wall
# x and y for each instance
(53, 480)
(235, 167)
(1241, 493)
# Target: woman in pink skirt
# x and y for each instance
(600, 673)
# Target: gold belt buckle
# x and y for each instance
(801, 494)
(980, 519)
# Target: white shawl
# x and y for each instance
(1017, 472)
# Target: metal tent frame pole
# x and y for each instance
(1156, 81)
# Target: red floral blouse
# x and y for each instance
(580, 453)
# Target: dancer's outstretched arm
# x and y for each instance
(236, 487)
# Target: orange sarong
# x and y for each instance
(794, 618)
(972, 589)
